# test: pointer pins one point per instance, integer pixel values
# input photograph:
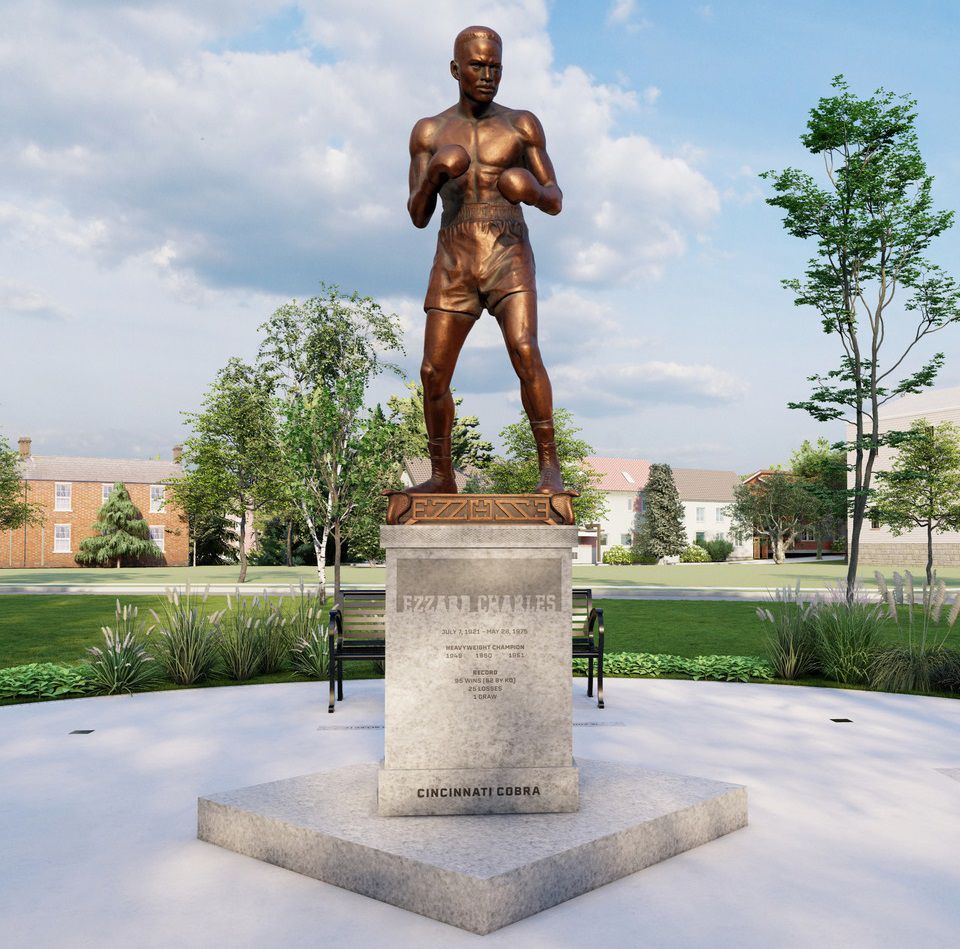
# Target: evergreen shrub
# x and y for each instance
(694, 554)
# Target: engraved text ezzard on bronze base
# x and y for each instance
(406, 508)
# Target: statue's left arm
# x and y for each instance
(536, 184)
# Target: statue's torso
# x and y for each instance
(493, 143)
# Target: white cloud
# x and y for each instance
(620, 11)
(27, 302)
(650, 95)
(635, 387)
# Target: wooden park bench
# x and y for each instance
(357, 626)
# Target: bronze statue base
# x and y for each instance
(406, 508)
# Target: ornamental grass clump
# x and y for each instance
(123, 663)
(241, 643)
(921, 661)
(306, 626)
(792, 643)
(187, 636)
(847, 632)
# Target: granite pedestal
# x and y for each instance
(478, 705)
(475, 872)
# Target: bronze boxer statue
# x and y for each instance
(483, 160)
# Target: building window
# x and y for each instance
(61, 538)
(701, 537)
(720, 535)
(640, 501)
(156, 498)
(701, 514)
(64, 496)
(875, 523)
(631, 504)
(105, 491)
(719, 515)
(156, 535)
(626, 540)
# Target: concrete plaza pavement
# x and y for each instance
(853, 838)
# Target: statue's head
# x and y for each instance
(476, 63)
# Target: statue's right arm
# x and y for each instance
(423, 192)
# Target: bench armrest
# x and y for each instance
(336, 623)
(595, 622)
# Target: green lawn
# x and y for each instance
(60, 628)
(760, 575)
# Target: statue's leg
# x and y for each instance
(444, 336)
(517, 315)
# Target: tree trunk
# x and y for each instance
(337, 544)
(819, 546)
(118, 563)
(930, 554)
(290, 543)
(243, 547)
(778, 554)
(319, 548)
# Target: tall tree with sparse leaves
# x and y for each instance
(122, 534)
(922, 486)
(323, 354)
(15, 510)
(872, 224)
(518, 471)
(658, 527)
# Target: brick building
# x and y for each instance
(71, 491)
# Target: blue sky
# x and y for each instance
(173, 171)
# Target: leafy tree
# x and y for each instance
(323, 354)
(872, 224)
(201, 496)
(376, 466)
(282, 543)
(232, 456)
(823, 469)
(658, 527)
(122, 534)
(15, 510)
(922, 486)
(777, 506)
(518, 472)
(468, 447)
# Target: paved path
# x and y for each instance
(853, 837)
(258, 589)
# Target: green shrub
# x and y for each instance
(792, 646)
(242, 641)
(946, 674)
(718, 549)
(694, 554)
(921, 661)
(618, 556)
(123, 663)
(723, 668)
(44, 680)
(187, 640)
(277, 640)
(305, 629)
(846, 640)
(311, 654)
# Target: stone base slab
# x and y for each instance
(478, 791)
(479, 872)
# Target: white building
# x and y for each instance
(705, 495)
(877, 544)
